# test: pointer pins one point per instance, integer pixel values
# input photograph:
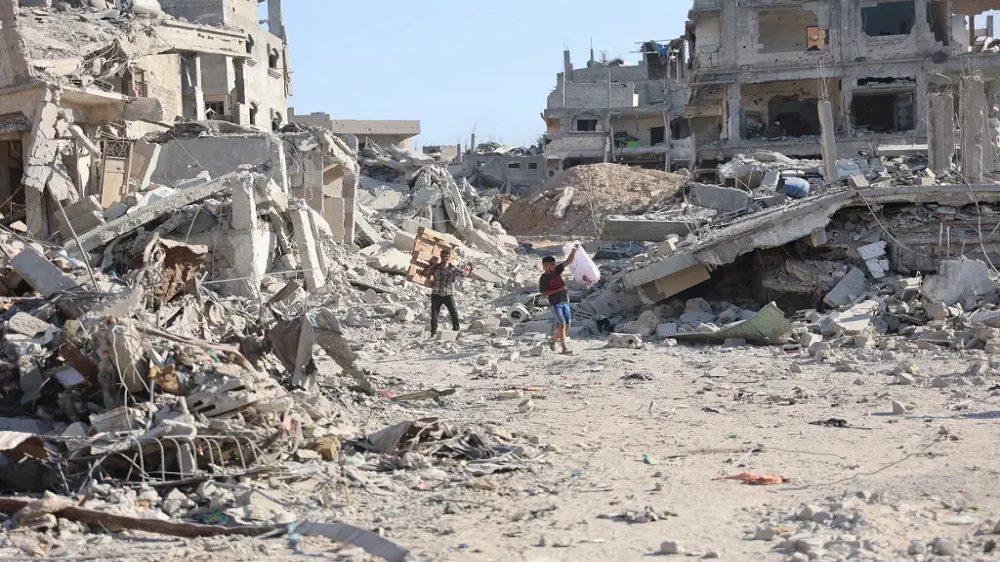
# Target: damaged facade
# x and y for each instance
(762, 75)
(81, 87)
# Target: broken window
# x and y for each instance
(253, 113)
(680, 128)
(883, 112)
(215, 109)
(889, 18)
(939, 18)
(785, 30)
(134, 83)
(586, 125)
(657, 135)
(273, 57)
(514, 166)
(276, 121)
(250, 43)
(791, 117)
(532, 165)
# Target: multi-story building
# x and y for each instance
(751, 75)
(75, 106)
(250, 90)
(610, 111)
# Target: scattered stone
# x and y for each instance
(898, 408)
(945, 547)
(764, 533)
(670, 547)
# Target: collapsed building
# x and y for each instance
(81, 87)
(767, 76)
(359, 132)
(509, 169)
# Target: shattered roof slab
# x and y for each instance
(782, 225)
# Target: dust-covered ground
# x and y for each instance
(657, 428)
(620, 455)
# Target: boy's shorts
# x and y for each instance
(563, 314)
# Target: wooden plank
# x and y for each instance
(427, 245)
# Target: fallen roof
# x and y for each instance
(778, 226)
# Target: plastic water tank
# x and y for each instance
(796, 188)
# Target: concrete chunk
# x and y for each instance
(872, 251)
(956, 279)
(721, 198)
(140, 217)
(624, 341)
(850, 287)
(26, 325)
(859, 182)
(305, 241)
(45, 278)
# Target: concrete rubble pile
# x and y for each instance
(174, 335)
(847, 264)
(403, 192)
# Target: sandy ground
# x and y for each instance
(703, 413)
(641, 431)
(655, 428)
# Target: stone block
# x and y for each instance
(849, 288)
(666, 330)
(624, 341)
(720, 198)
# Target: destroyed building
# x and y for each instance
(761, 75)
(359, 132)
(610, 111)
(510, 169)
(81, 87)
(251, 89)
(446, 154)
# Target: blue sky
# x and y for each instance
(456, 65)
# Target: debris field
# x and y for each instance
(222, 349)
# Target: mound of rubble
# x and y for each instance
(576, 201)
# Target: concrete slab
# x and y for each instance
(164, 207)
(721, 198)
(45, 278)
(849, 288)
(644, 230)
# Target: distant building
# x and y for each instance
(445, 154)
(751, 75)
(380, 132)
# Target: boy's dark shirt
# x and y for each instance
(551, 282)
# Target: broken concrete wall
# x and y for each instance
(185, 158)
(163, 82)
(784, 108)
(13, 64)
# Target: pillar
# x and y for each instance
(847, 102)
(940, 131)
(974, 128)
(735, 111)
(249, 257)
(241, 109)
(192, 62)
(920, 102)
(828, 141)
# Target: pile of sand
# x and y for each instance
(598, 190)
